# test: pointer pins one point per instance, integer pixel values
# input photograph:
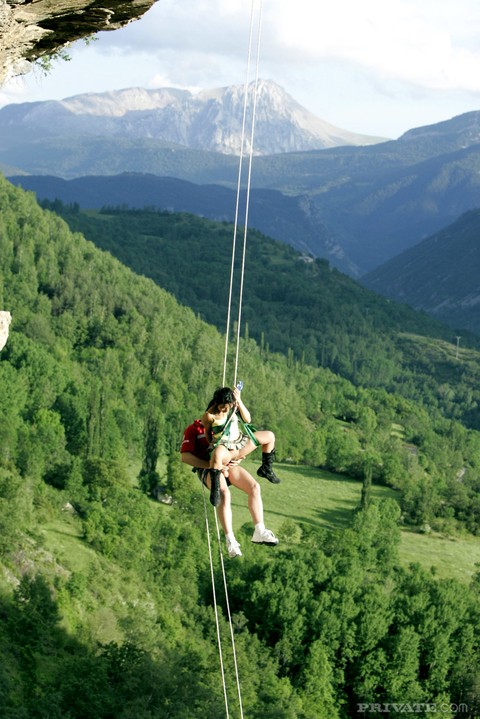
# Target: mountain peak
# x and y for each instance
(209, 120)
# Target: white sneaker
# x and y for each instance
(233, 548)
(264, 536)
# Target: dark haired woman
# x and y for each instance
(229, 441)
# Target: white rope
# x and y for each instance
(227, 332)
(247, 206)
(222, 669)
(232, 636)
(239, 180)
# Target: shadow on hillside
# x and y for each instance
(338, 517)
(327, 518)
(85, 679)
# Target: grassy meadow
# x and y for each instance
(314, 496)
(306, 495)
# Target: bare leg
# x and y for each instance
(240, 478)
(248, 449)
(225, 508)
(221, 456)
(225, 516)
(266, 439)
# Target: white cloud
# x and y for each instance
(393, 65)
(206, 26)
(13, 91)
(419, 43)
(430, 43)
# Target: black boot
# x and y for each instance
(215, 486)
(265, 470)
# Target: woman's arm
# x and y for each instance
(244, 413)
(207, 421)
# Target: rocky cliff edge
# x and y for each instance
(31, 29)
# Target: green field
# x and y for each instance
(317, 497)
(308, 496)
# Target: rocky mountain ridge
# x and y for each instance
(209, 120)
(30, 30)
(356, 206)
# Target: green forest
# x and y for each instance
(293, 304)
(106, 595)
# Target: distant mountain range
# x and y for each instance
(440, 275)
(210, 120)
(357, 206)
(291, 219)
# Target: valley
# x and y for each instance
(117, 289)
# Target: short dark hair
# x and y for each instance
(222, 395)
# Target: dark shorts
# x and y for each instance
(202, 476)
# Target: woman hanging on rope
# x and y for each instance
(226, 422)
(195, 452)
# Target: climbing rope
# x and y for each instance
(229, 616)
(247, 201)
(215, 605)
(239, 183)
(227, 332)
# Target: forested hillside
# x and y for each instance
(357, 206)
(288, 218)
(295, 305)
(105, 594)
(439, 275)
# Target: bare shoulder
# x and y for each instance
(208, 419)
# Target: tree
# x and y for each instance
(149, 478)
(319, 697)
(367, 482)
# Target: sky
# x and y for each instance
(375, 67)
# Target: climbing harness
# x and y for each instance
(248, 428)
